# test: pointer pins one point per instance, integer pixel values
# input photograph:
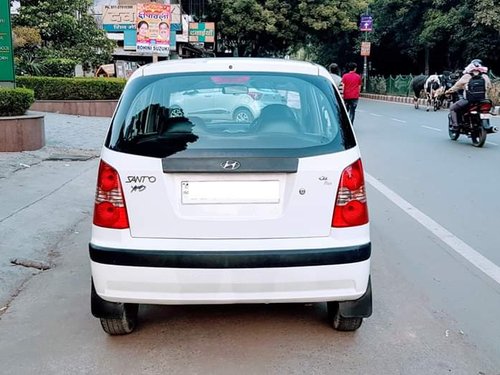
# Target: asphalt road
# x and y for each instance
(435, 231)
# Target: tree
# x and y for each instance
(27, 42)
(67, 30)
(322, 28)
(442, 34)
(254, 27)
(329, 29)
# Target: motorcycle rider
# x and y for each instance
(474, 69)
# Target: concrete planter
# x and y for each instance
(98, 108)
(22, 133)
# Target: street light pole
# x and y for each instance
(365, 67)
(365, 58)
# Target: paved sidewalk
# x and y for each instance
(44, 194)
(66, 135)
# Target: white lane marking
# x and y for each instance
(491, 143)
(431, 128)
(375, 114)
(398, 120)
(455, 243)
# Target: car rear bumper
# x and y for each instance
(183, 277)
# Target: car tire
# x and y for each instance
(243, 115)
(339, 322)
(116, 318)
(122, 326)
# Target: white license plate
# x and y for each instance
(485, 115)
(230, 192)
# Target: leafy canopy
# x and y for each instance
(67, 30)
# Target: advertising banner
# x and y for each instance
(201, 32)
(153, 28)
(6, 51)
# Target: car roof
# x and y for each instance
(228, 64)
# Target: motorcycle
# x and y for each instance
(474, 121)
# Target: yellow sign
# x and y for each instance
(365, 48)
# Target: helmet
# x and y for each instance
(334, 68)
(477, 63)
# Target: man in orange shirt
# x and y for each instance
(352, 87)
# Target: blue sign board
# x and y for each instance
(366, 23)
(117, 28)
(129, 40)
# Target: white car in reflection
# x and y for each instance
(231, 103)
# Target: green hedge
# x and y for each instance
(58, 67)
(48, 88)
(15, 102)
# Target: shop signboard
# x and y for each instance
(201, 32)
(118, 18)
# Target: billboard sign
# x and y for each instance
(6, 51)
(201, 32)
(153, 28)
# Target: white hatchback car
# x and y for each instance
(190, 211)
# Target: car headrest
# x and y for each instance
(277, 112)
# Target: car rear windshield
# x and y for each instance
(216, 114)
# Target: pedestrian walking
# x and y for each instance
(352, 87)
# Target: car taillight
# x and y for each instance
(350, 206)
(109, 209)
(255, 95)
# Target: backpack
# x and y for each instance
(475, 90)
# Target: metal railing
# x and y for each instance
(400, 85)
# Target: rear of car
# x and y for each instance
(195, 205)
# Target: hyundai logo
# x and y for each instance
(231, 165)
